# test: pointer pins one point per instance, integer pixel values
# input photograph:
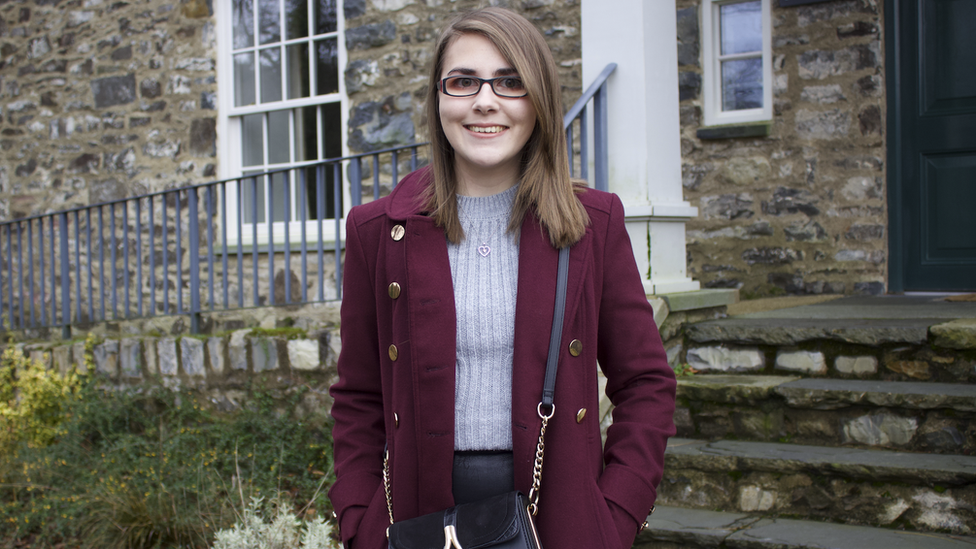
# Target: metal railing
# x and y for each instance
(597, 93)
(177, 251)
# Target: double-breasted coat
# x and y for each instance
(397, 368)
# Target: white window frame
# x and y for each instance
(229, 132)
(712, 70)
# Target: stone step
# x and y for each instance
(677, 528)
(847, 485)
(916, 416)
(715, 348)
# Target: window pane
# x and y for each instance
(306, 134)
(278, 137)
(741, 27)
(252, 135)
(326, 66)
(742, 84)
(270, 75)
(296, 18)
(243, 79)
(279, 213)
(243, 17)
(332, 130)
(298, 71)
(253, 210)
(269, 25)
(325, 16)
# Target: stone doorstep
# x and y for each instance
(706, 529)
(792, 331)
(873, 465)
(828, 393)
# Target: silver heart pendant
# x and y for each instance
(484, 250)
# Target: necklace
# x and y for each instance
(485, 248)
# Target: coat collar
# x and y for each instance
(406, 200)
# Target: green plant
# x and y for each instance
(683, 370)
(32, 400)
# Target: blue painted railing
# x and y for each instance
(178, 252)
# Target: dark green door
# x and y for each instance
(932, 144)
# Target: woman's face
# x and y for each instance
(487, 132)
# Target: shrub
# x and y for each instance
(285, 531)
(157, 468)
(33, 400)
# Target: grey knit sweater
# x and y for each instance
(485, 288)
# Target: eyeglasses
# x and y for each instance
(466, 86)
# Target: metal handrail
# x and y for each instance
(597, 92)
(67, 248)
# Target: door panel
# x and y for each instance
(947, 185)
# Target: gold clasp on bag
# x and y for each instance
(450, 538)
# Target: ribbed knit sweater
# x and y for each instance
(485, 288)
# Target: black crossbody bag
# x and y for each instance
(503, 521)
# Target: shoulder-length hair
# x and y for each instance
(545, 184)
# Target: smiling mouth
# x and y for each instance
(486, 129)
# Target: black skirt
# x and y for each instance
(482, 474)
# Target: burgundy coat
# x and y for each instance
(591, 498)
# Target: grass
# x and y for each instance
(155, 468)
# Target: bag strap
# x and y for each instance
(549, 386)
(548, 390)
(556, 336)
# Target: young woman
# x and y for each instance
(448, 296)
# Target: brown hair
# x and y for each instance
(545, 182)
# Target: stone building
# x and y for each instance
(817, 166)
(808, 184)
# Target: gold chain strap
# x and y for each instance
(386, 484)
(540, 452)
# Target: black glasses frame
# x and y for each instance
(442, 86)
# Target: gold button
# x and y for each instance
(393, 353)
(580, 415)
(394, 290)
(575, 347)
(396, 420)
(397, 233)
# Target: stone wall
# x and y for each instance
(802, 210)
(221, 367)
(389, 45)
(102, 100)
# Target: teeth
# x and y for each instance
(489, 129)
